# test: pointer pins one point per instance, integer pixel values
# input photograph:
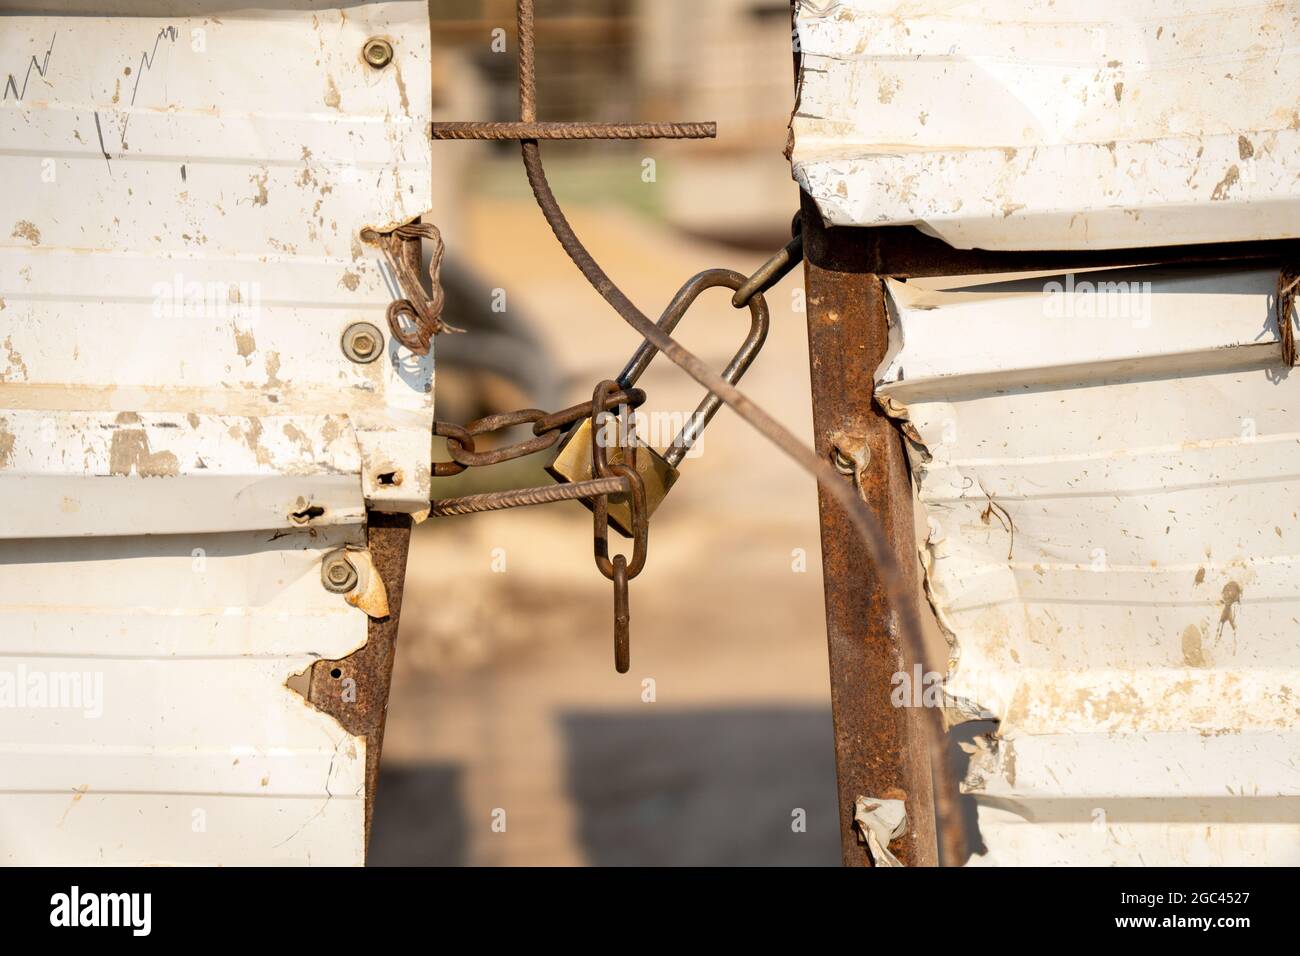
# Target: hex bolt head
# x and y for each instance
(337, 573)
(362, 342)
(378, 52)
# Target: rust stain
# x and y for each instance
(252, 435)
(26, 230)
(1231, 601)
(1193, 652)
(1122, 704)
(296, 435)
(260, 180)
(77, 794)
(350, 281)
(273, 370)
(17, 367)
(332, 98)
(6, 444)
(1200, 576)
(245, 343)
(129, 452)
(401, 89)
(1230, 179)
(1244, 148)
(331, 430)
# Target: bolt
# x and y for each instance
(337, 573)
(378, 52)
(362, 342)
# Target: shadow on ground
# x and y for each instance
(712, 787)
(418, 818)
(682, 788)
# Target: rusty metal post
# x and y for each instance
(369, 670)
(880, 749)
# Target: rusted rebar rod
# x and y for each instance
(536, 130)
(523, 497)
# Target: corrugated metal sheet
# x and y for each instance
(181, 436)
(1108, 463)
(1015, 124)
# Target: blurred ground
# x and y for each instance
(505, 695)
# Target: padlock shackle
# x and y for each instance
(740, 362)
(677, 308)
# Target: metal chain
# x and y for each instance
(619, 570)
(547, 429)
(607, 478)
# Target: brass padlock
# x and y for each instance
(572, 460)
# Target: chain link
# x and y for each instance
(607, 478)
(547, 429)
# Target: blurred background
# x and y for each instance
(718, 743)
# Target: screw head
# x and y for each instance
(378, 52)
(337, 573)
(362, 342)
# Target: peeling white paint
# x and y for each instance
(879, 821)
(1010, 124)
(1112, 549)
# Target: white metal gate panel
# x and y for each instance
(1017, 124)
(1108, 463)
(181, 435)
